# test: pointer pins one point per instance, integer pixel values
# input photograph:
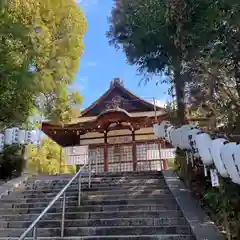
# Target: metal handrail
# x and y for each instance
(33, 226)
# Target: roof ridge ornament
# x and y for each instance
(116, 81)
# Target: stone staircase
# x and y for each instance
(136, 205)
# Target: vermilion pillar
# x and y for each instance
(165, 164)
(105, 153)
(134, 151)
(165, 161)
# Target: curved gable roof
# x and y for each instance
(116, 85)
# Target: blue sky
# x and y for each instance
(101, 62)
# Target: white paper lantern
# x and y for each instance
(161, 129)
(216, 145)
(15, 134)
(35, 135)
(175, 137)
(227, 152)
(236, 157)
(168, 133)
(8, 136)
(2, 138)
(184, 144)
(171, 135)
(30, 137)
(155, 129)
(158, 131)
(178, 137)
(203, 144)
(21, 136)
(164, 125)
(191, 139)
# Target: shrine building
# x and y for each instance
(118, 129)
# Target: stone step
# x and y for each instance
(102, 180)
(117, 237)
(102, 186)
(127, 174)
(98, 222)
(116, 208)
(99, 188)
(132, 194)
(96, 200)
(97, 180)
(128, 196)
(131, 201)
(11, 199)
(98, 231)
(17, 204)
(96, 191)
(21, 199)
(94, 181)
(58, 204)
(95, 215)
(102, 174)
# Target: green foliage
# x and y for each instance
(157, 37)
(222, 204)
(41, 44)
(59, 107)
(214, 72)
(138, 27)
(48, 159)
(11, 162)
(16, 80)
(196, 43)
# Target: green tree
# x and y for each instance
(49, 158)
(151, 35)
(40, 53)
(215, 72)
(168, 36)
(11, 162)
(16, 83)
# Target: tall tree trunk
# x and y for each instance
(180, 93)
(237, 76)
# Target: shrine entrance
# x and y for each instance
(118, 130)
(120, 157)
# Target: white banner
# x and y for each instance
(167, 153)
(77, 156)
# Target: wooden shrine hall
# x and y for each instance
(118, 128)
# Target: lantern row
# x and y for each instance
(16, 136)
(223, 154)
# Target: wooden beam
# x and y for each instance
(69, 135)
